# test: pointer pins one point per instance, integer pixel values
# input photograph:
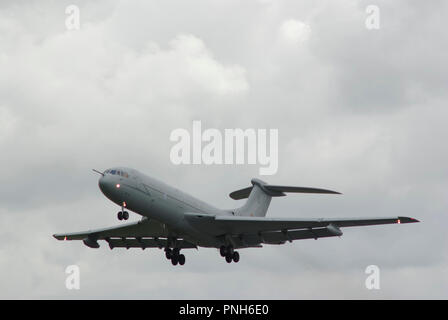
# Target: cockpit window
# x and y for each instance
(118, 172)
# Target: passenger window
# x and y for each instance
(112, 172)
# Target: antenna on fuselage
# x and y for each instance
(98, 172)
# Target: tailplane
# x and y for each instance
(260, 195)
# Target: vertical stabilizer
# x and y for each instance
(258, 202)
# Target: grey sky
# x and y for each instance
(359, 111)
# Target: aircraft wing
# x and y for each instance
(142, 234)
(250, 231)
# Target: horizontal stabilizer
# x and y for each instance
(300, 189)
(277, 191)
(241, 194)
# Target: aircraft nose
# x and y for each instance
(102, 183)
(108, 185)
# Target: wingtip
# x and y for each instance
(58, 236)
(329, 191)
(407, 220)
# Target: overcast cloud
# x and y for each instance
(360, 111)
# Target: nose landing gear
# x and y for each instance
(123, 215)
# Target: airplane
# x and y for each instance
(173, 220)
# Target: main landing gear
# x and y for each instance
(123, 215)
(229, 254)
(175, 256)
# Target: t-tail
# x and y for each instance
(260, 194)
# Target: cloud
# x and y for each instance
(294, 32)
(59, 92)
(186, 68)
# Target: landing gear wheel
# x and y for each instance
(120, 215)
(174, 260)
(223, 251)
(125, 215)
(168, 254)
(236, 257)
(229, 258)
(181, 259)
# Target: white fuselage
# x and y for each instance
(156, 200)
